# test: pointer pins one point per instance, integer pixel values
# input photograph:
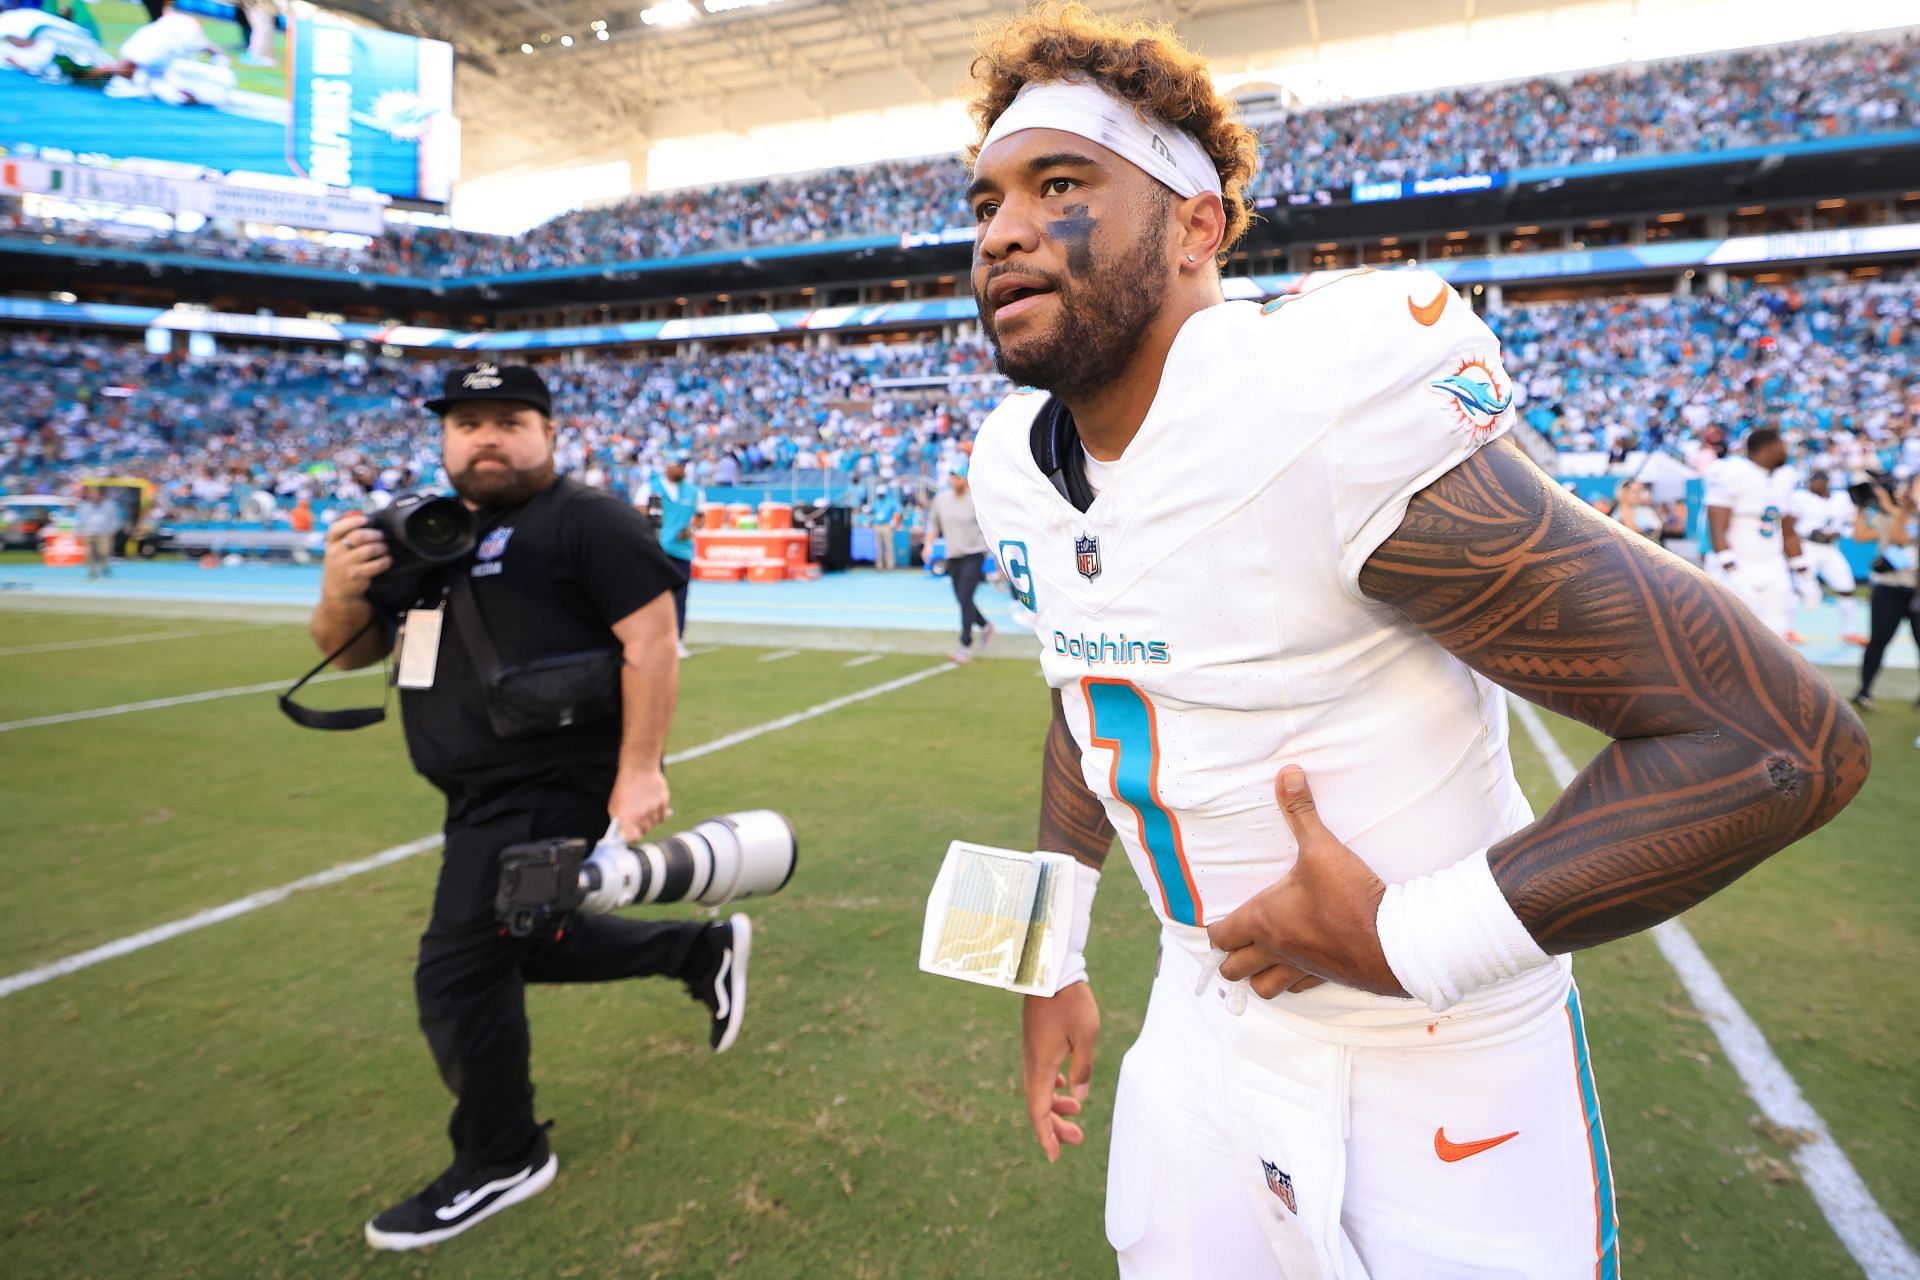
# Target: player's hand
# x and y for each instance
(1056, 1029)
(354, 557)
(1317, 922)
(639, 801)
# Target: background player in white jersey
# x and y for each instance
(166, 62)
(52, 47)
(1756, 548)
(1260, 538)
(1822, 518)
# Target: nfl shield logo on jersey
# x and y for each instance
(1086, 555)
(1280, 1184)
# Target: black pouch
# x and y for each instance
(531, 698)
(1882, 565)
(540, 695)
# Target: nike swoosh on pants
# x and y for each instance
(470, 1199)
(1451, 1151)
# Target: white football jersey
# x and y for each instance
(1203, 622)
(1759, 500)
(174, 35)
(1815, 514)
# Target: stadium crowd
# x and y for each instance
(1826, 362)
(1795, 92)
(250, 432)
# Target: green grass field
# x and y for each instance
(237, 1101)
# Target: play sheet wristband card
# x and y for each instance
(1000, 917)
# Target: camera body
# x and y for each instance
(735, 855)
(424, 529)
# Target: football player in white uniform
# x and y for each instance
(1822, 517)
(1756, 548)
(1284, 569)
(56, 49)
(165, 60)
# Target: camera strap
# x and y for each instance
(350, 718)
(473, 629)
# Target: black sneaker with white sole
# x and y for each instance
(717, 976)
(462, 1196)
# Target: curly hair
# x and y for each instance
(1144, 63)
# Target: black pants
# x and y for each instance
(1887, 607)
(471, 979)
(680, 592)
(965, 572)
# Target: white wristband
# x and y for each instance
(1724, 560)
(1452, 933)
(1799, 564)
(1074, 968)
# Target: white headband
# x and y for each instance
(1169, 155)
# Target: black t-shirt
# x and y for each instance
(549, 577)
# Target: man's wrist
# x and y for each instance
(1451, 933)
(1086, 882)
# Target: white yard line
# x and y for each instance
(1863, 1227)
(779, 655)
(386, 857)
(155, 704)
(863, 659)
(57, 646)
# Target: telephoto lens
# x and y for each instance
(736, 855)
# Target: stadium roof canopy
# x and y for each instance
(539, 80)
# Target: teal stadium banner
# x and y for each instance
(372, 109)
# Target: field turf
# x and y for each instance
(238, 1100)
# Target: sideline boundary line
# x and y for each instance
(386, 857)
(1855, 1216)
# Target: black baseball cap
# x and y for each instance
(488, 381)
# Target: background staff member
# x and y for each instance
(950, 516)
(559, 569)
(97, 520)
(679, 509)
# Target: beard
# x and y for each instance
(502, 487)
(1103, 319)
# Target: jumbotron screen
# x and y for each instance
(232, 87)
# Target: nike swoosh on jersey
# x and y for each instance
(1452, 1151)
(1429, 314)
(448, 1212)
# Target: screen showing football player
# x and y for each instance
(1286, 570)
(1756, 545)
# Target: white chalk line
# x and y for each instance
(1863, 1227)
(181, 700)
(779, 655)
(101, 642)
(386, 857)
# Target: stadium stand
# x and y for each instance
(1802, 92)
(244, 435)
(249, 432)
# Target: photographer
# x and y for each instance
(563, 580)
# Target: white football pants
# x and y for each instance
(1243, 1147)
